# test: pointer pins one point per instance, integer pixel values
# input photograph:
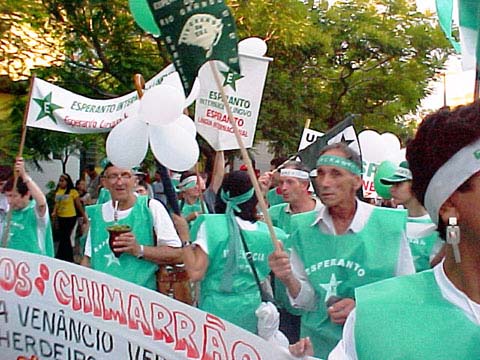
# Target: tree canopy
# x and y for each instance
(372, 58)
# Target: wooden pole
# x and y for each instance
(245, 157)
(6, 228)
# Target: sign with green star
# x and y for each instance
(195, 32)
(47, 108)
(231, 79)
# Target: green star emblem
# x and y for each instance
(230, 79)
(47, 107)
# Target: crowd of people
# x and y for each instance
(351, 280)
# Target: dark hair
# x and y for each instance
(440, 136)
(238, 183)
(5, 172)
(278, 161)
(69, 180)
(22, 188)
(349, 153)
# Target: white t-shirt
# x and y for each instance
(201, 239)
(345, 349)
(163, 225)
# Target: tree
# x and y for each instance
(373, 58)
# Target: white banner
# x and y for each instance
(50, 309)
(309, 136)
(244, 97)
(368, 176)
(54, 108)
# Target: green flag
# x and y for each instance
(196, 31)
(469, 26)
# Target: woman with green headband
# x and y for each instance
(217, 257)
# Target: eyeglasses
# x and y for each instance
(114, 177)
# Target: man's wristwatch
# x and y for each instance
(141, 253)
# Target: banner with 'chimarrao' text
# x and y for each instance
(54, 108)
(51, 309)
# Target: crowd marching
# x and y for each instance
(350, 280)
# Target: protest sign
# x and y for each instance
(50, 309)
(244, 94)
(54, 108)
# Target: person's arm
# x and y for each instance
(85, 261)
(80, 209)
(279, 262)
(218, 171)
(33, 188)
(194, 257)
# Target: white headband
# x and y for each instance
(458, 169)
(187, 181)
(300, 174)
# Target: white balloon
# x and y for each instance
(193, 93)
(397, 157)
(161, 105)
(187, 124)
(127, 143)
(173, 147)
(372, 145)
(392, 142)
(252, 46)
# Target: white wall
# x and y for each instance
(52, 170)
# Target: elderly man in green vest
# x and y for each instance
(136, 254)
(346, 244)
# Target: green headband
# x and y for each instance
(332, 160)
(234, 238)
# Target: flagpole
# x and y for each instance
(245, 157)
(6, 229)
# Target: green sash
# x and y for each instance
(26, 235)
(337, 264)
(408, 318)
(239, 305)
(126, 267)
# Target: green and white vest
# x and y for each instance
(337, 264)
(239, 305)
(282, 219)
(421, 246)
(274, 198)
(27, 235)
(126, 267)
(408, 318)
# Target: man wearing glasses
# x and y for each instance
(151, 240)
